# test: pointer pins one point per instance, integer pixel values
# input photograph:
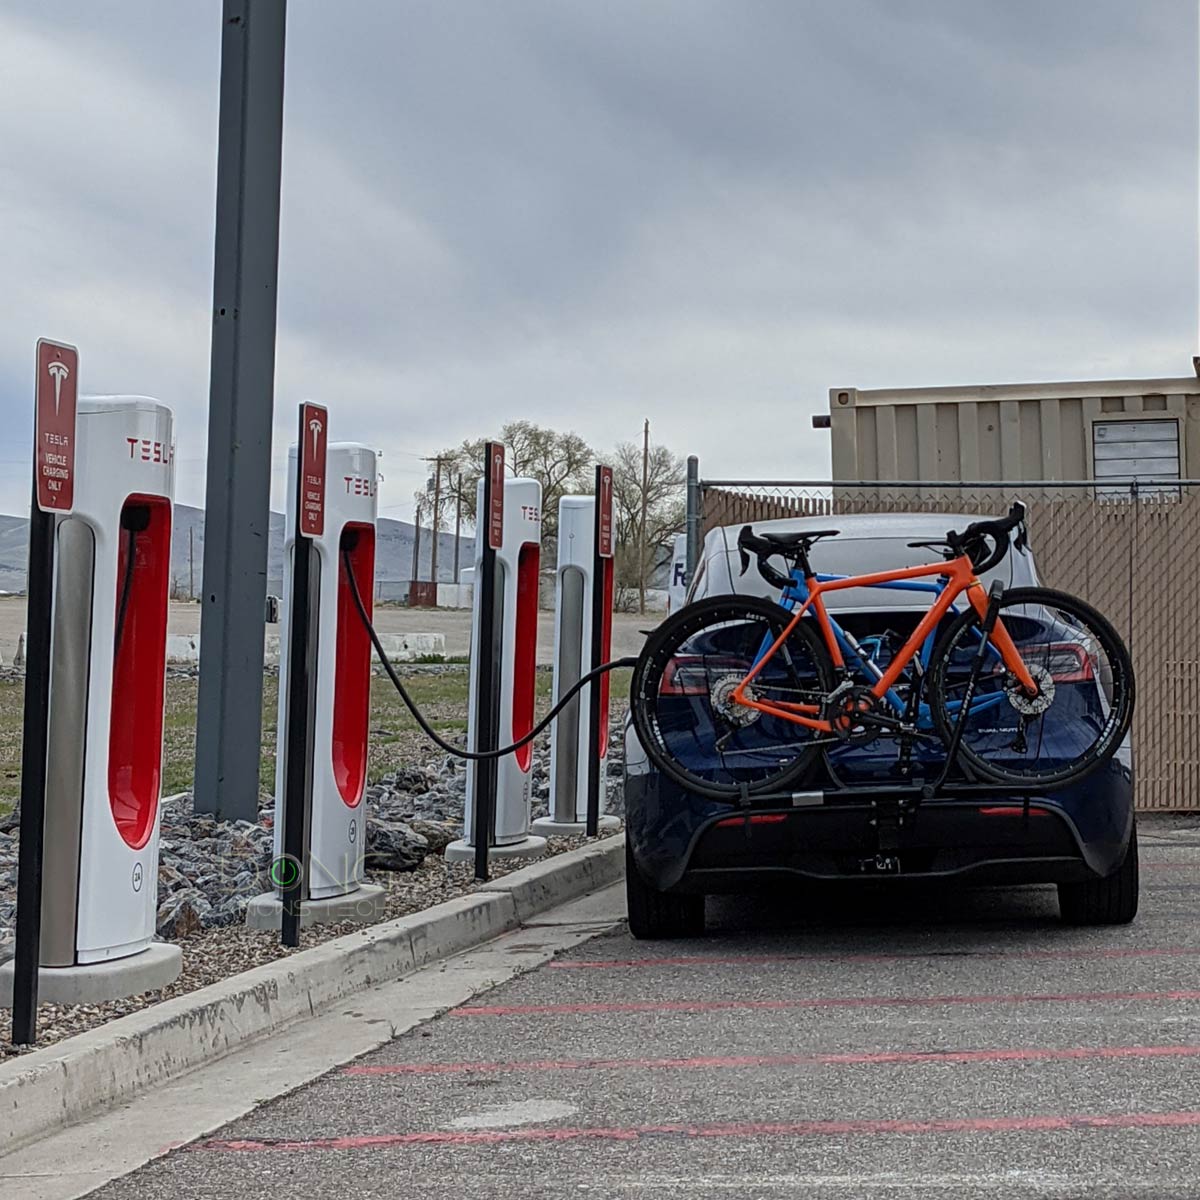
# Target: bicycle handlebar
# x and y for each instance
(972, 541)
(749, 543)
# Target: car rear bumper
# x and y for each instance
(945, 840)
(683, 842)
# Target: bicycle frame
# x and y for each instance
(955, 578)
(797, 592)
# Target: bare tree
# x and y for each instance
(560, 462)
(651, 481)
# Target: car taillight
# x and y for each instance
(688, 675)
(1011, 810)
(684, 677)
(754, 819)
(1069, 662)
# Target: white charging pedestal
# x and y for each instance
(107, 679)
(336, 821)
(570, 735)
(517, 566)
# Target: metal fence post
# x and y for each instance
(241, 402)
(693, 515)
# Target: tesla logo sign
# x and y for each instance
(145, 450)
(314, 432)
(604, 497)
(495, 519)
(359, 485)
(54, 434)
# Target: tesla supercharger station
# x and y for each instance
(336, 821)
(105, 721)
(570, 735)
(518, 562)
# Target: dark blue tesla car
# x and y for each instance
(845, 826)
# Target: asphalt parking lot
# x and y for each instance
(817, 1044)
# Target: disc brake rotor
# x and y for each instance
(1031, 706)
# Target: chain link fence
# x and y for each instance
(1130, 549)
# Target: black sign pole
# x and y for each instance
(600, 565)
(302, 654)
(487, 708)
(39, 589)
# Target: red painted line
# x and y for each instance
(747, 1129)
(666, 1006)
(746, 960)
(884, 1058)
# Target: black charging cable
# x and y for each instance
(430, 732)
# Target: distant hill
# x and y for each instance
(393, 552)
(14, 552)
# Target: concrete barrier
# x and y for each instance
(405, 647)
(184, 648)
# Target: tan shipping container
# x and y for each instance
(1102, 429)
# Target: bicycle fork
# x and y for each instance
(989, 623)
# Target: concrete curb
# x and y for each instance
(61, 1084)
(546, 884)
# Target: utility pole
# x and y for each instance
(437, 522)
(457, 524)
(416, 561)
(645, 498)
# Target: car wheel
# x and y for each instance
(1109, 901)
(654, 914)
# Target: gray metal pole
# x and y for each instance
(241, 400)
(645, 499)
(693, 515)
(457, 525)
(437, 525)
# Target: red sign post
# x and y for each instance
(604, 498)
(314, 437)
(55, 389)
(54, 434)
(496, 492)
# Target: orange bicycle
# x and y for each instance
(1027, 687)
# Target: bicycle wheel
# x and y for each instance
(691, 729)
(1083, 710)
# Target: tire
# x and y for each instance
(655, 915)
(1086, 724)
(677, 706)
(1109, 901)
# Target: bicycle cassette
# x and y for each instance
(720, 696)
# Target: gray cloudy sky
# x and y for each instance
(707, 212)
